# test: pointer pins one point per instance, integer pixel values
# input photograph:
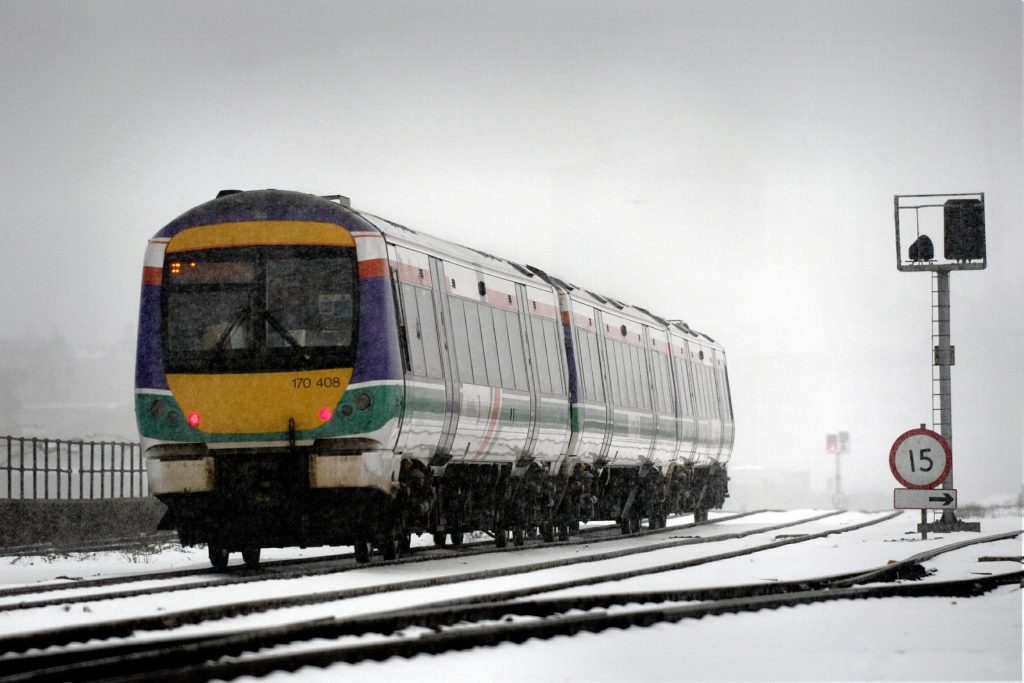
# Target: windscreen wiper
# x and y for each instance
(285, 334)
(243, 313)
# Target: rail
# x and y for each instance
(54, 469)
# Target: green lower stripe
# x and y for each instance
(167, 423)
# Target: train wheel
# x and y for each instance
(439, 539)
(362, 552)
(700, 515)
(251, 557)
(500, 538)
(218, 557)
(457, 538)
(389, 546)
(405, 544)
(518, 536)
(624, 526)
(563, 532)
(547, 531)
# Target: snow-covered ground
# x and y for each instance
(891, 639)
(902, 638)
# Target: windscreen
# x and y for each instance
(259, 309)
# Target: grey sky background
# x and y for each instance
(729, 163)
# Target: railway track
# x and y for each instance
(483, 620)
(298, 568)
(122, 628)
(125, 627)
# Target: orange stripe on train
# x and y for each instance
(372, 268)
(152, 276)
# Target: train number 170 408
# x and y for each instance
(320, 383)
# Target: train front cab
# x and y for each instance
(258, 426)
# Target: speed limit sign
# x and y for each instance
(920, 459)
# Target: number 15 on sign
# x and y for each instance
(920, 459)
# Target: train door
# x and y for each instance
(685, 399)
(425, 386)
(666, 422)
(724, 406)
(589, 410)
(549, 372)
(709, 427)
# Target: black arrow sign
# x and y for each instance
(945, 499)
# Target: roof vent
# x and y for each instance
(225, 193)
(338, 199)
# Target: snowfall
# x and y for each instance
(878, 639)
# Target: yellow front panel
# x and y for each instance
(244, 234)
(258, 403)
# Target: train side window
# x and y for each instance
(714, 398)
(515, 338)
(614, 385)
(540, 355)
(595, 366)
(703, 384)
(461, 338)
(661, 384)
(644, 379)
(504, 348)
(428, 327)
(633, 364)
(623, 380)
(490, 345)
(723, 408)
(614, 391)
(476, 343)
(414, 330)
(709, 391)
(555, 352)
(625, 376)
(669, 390)
(631, 377)
(645, 376)
(698, 389)
(685, 390)
(630, 373)
(584, 373)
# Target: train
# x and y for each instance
(311, 374)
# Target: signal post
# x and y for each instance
(961, 218)
(838, 444)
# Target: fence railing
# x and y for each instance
(32, 468)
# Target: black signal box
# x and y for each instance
(964, 224)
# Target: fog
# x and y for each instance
(729, 163)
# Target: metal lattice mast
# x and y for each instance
(943, 359)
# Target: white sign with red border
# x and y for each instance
(920, 459)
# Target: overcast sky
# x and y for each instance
(729, 163)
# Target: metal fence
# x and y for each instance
(32, 468)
